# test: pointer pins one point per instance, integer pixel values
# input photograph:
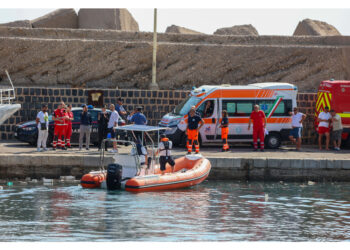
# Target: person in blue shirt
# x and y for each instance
(137, 117)
(119, 108)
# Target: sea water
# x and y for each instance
(211, 211)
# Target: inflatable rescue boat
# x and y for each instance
(189, 170)
(128, 173)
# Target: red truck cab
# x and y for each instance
(335, 94)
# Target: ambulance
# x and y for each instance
(275, 99)
(335, 94)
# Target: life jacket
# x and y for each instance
(166, 145)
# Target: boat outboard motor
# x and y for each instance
(114, 176)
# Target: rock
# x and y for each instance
(21, 23)
(180, 30)
(114, 19)
(61, 18)
(309, 27)
(238, 30)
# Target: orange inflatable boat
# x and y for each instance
(189, 170)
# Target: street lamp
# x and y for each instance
(154, 84)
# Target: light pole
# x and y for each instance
(154, 84)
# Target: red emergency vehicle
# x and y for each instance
(335, 94)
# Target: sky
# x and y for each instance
(266, 21)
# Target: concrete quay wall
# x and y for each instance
(234, 168)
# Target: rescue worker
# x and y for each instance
(69, 117)
(259, 125)
(102, 121)
(85, 128)
(224, 130)
(42, 121)
(324, 118)
(192, 131)
(59, 126)
(165, 157)
(142, 154)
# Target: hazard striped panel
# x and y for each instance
(323, 100)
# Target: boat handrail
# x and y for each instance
(102, 168)
(7, 94)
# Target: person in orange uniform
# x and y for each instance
(69, 118)
(224, 130)
(259, 125)
(192, 131)
(58, 117)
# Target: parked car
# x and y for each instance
(28, 131)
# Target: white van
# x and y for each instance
(275, 99)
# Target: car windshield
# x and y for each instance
(185, 106)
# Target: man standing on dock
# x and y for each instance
(337, 130)
(42, 121)
(297, 127)
(85, 128)
(192, 131)
(324, 118)
(259, 125)
(112, 123)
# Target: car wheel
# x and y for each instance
(273, 140)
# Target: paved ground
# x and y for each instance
(244, 151)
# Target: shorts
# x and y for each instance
(112, 131)
(296, 132)
(192, 134)
(336, 134)
(323, 130)
(224, 133)
(163, 160)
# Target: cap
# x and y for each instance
(162, 135)
(83, 105)
(90, 107)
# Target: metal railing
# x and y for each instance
(7, 94)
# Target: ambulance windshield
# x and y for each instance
(185, 105)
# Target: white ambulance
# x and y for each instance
(275, 99)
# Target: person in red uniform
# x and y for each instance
(259, 125)
(192, 131)
(69, 118)
(58, 117)
(224, 130)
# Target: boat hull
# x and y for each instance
(188, 171)
(6, 110)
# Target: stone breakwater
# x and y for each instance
(223, 168)
(155, 104)
(83, 58)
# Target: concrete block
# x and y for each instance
(260, 162)
(4, 160)
(236, 163)
(311, 163)
(337, 164)
(297, 163)
(89, 161)
(345, 164)
(278, 163)
(61, 18)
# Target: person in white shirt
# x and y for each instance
(324, 118)
(297, 127)
(337, 130)
(165, 157)
(113, 122)
(42, 121)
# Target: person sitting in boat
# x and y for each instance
(165, 147)
(140, 151)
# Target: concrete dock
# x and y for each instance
(18, 160)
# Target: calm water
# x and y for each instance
(212, 211)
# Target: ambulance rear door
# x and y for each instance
(210, 118)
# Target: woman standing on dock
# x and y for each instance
(69, 118)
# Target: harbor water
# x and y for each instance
(211, 211)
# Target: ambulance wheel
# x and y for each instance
(273, 140)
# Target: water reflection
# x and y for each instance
(212, 211)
